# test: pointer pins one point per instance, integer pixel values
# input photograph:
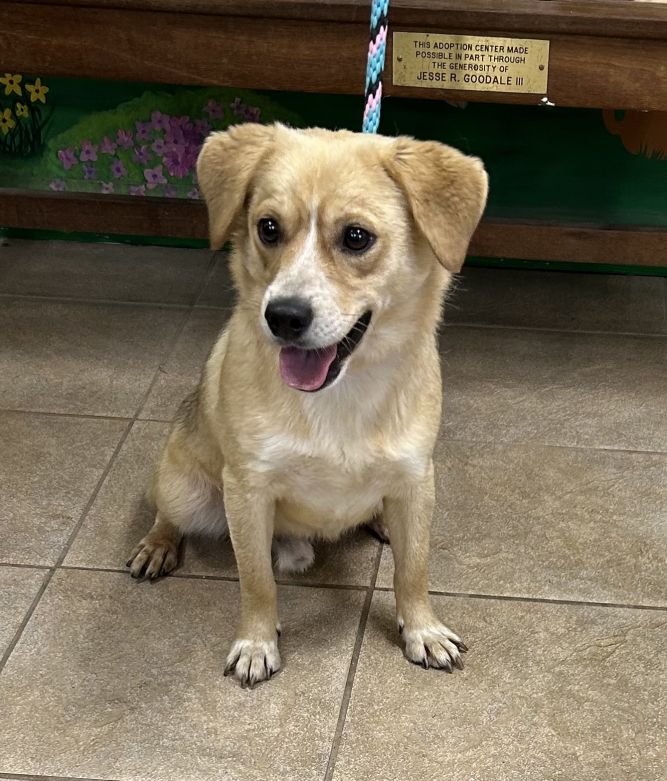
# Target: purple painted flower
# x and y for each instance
(118, 169)
(124, 139)
(252, 114)
(107, 147)
(107, 187)
(143, 130)
(181, 131)
(194, 194)
(140, 190)
(58, 185)
(170, 191)
(202, 128)
(154, 176)
(89, 172)
(214, 110)
(159, 121)
(88, 152)
(67, 158)
(158, 146)
(180, 159)
(141, 155)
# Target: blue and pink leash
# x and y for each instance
(377, 48)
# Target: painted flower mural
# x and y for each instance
(7, 121)
(149, 146)
(37, 91)
(118, 169)
(22, 120)
(154, 177)
(88, 152)
(12, 83)
(108, 147)
(124, 139)
(67, 158)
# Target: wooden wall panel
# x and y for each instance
(125, 215)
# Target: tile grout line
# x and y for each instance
(93, 497)
(121, 302)
(65, 550)
(207, 276)
(102, 479)
(169, 351)
(208, 273)
(203, 577)
(93, 301)
(166, 355)
(212, 308)
(77, 415)
(82, 415)
(537, 600)
(445, 326)
(462, 440)
(130, 424)
(32, 777)
(361, 588)
(547, 446)
(352, 670)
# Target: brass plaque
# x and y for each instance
(471, 62)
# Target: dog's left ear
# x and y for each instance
(226, 165)
(446, 191)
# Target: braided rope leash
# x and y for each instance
(377, 48)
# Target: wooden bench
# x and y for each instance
(603, 54)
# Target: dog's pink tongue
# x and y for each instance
(306, 369)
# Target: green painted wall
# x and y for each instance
(544, 163)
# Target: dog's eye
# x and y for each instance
(268, 230)
(356, 239)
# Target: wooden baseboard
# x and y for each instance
(624, 245)
(177, 218)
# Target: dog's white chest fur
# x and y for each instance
(336, 477)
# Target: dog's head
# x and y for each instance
(337, 234)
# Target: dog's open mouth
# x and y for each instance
(312, 370)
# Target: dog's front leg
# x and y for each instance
(254, 654)
(407, 514)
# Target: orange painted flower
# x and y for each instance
(37, 91)
(6, 121)
(21, 110)
(12, 82)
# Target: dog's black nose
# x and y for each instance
(288, 318)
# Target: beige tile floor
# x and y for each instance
(548, 555)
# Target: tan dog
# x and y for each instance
(319, 405)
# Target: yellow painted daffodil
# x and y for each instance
(21, 110)
(12, 83)
(6, 121)
(37, 91)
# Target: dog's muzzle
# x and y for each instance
(313, 370)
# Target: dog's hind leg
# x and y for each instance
(292, 554)
(187, 502)
(157, 553)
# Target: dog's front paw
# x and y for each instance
(252, 661)
(433, 645)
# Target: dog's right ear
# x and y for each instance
(225, 167)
